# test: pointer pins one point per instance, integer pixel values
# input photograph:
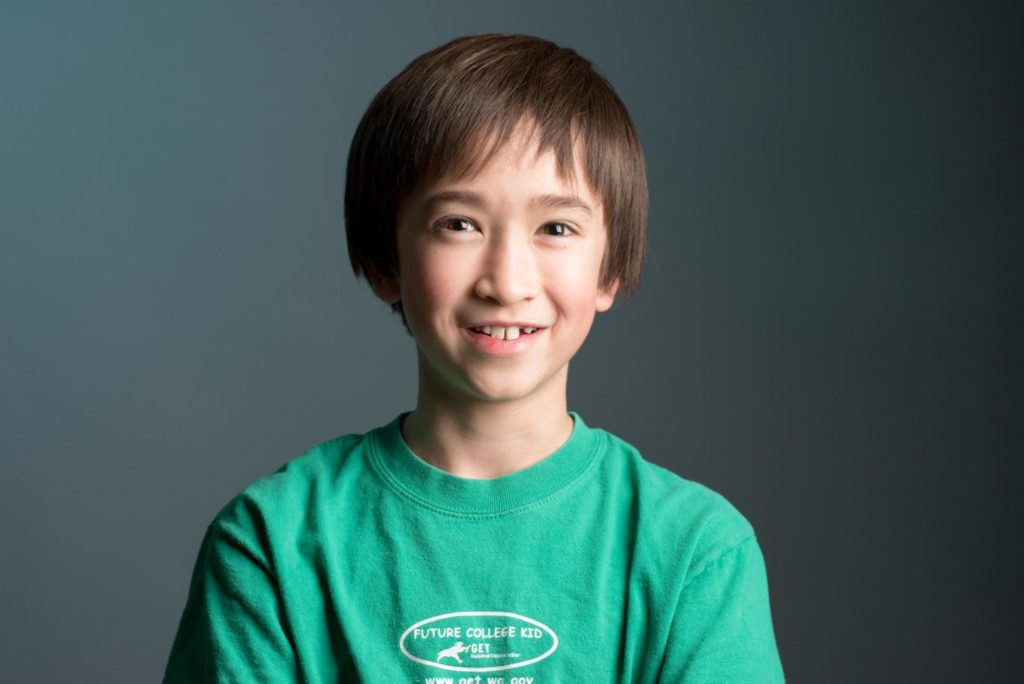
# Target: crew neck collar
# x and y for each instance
(439, 490)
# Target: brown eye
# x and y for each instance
(456, 225)
(557, 229)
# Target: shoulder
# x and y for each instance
(282, 498)
(691, 521)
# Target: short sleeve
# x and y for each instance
(722, 628)
(231, 629)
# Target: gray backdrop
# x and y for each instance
(828, 332)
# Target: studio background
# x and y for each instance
(829, 331)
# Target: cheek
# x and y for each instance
(573, 282)
(430, 282)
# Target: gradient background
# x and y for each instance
(829, 331)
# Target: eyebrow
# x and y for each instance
(547, 201)
(562, 202)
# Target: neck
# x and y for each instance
(483, 439)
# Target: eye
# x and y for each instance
(455, 224)
(557, 229)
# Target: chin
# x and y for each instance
(501, 394)
(502, 390)
(515, 386)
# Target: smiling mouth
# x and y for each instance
(508, 333)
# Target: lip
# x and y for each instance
(506, 324)
(494, 347)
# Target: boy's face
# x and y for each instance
(513, 244)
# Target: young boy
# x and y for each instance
(496, 199)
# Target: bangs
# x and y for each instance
(469, 153)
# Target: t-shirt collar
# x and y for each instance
(439, 490)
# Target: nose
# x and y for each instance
(510, 273)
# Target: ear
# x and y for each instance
(606, 296)
(386, 288)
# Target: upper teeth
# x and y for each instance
(509, 333)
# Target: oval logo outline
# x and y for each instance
(477, 613)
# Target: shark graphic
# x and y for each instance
(453, 652)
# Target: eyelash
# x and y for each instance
(440, 225)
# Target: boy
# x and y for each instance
(496, 199)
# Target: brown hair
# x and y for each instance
(429, 122)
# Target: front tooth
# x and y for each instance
(498, 333)
(512, 333)
(486, 330)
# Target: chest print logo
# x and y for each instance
(478, 641)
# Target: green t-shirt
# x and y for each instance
(360, 562)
